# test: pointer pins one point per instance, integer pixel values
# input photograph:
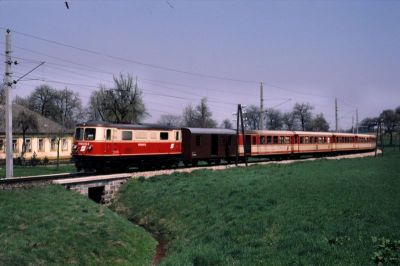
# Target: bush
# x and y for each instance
(45, 160)
(34, 160)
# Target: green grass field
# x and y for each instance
(326, 212)
(38, 170)
(53, 226)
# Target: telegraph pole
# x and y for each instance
(352, 124)
(336, 116)
(356, 120)
(261, 106)
(7, 87)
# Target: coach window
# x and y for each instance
(269, 140)
(262, 140)
(90, 133)
(163, 135)
(275, 139)
(177, 135)
(254, 140)
(1, 144)
(108, 134)
(126, 135)
(198, 140)
(287, 140)
(301, 140)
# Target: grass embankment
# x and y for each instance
(53, 226)
(38, 170)
(312, 213)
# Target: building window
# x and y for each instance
(126, 135)
(1, 144)
(15, 146)
(40, 144)
(53, 144)
(28, 145)
(164, 136)
(64, 144)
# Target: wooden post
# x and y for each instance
(243, 136)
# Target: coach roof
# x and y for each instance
(218, 131)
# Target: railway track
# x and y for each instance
(47, 179)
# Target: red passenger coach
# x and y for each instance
(100, 145)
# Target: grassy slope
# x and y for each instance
(323, 212)
(50, 225)
(37, 170)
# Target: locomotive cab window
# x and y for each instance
(90, 133)
(164, 136)
(79, 133)
(126, 135)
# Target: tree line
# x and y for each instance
(123, 103)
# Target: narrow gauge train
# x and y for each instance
(100, 146)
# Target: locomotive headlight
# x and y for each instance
(74, 147)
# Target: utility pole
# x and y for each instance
(336, 116)
(7, 87)
(356, 120)
(352, 124)
(261, 106)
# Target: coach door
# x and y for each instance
(247, 146)
(108, 141)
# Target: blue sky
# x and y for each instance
(308, 51)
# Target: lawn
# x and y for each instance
(326, 212)
(53, 226)
(38, 170)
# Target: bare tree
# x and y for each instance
(199, 116)
(2, 95)
(252, 117)
(121, 104)
(303, 113)
(68, 106)
(319, 123)
(390, 120)
(368, 124)
(189, 116)
(170, 120)
(41, 101)
(226, 124)
(274, 119)
(289, 121)
(205, 115)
